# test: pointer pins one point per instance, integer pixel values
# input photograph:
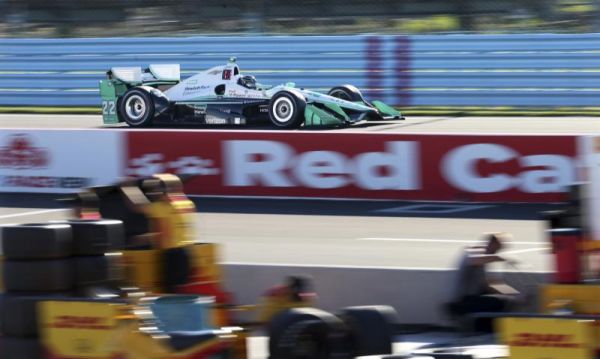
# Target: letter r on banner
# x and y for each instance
(254, 163)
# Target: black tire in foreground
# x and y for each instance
(20, 348)
(38, 275)
(19, 315)
(37, 241)
(372, 328)
(96, 237)
(137, 108)
(91, 271)
(307, 333)
(286, 109)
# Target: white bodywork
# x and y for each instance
(164, 72)
(203, 86)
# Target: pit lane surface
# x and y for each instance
(426, 124)
(340, 233)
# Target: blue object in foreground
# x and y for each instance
(183, 312)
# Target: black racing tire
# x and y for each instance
(19, 314)
(90, 271)
(347, 92)
(120, 116)
(36, 241)
(307, 333)
(286, 109)
(20, 348)
(176, 268)
(38, 275)
(96, 237)
(137, 108)
(372, 328)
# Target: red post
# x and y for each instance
(567, 261)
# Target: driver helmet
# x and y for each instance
(248, 81)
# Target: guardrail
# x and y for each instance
(431, 70)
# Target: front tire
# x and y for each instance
(286, 110)
(347, 93)
(137, 108)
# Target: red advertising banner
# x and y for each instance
(506, 168)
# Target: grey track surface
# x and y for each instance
(439, 124)
(339, 233)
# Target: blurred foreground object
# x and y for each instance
(294, 293)
(106, 288)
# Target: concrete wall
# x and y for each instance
(417, 294)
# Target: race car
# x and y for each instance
(223, 95)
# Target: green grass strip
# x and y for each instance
(50, 110)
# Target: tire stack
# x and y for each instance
(96, 267)
(51, 261)
(37, 266)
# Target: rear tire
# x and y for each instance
(137, 108)
(286, 110)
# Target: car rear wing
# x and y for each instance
(154, 73)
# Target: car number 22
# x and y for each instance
(108, 107)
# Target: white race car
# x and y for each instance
(223, 95)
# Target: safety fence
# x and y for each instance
(541, 70)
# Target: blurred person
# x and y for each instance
(474, 291)
(171, 216)
(293, 293)
(170, 210)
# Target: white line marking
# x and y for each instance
(432, 240)
(433, 208)
(33, 213)
(342, 266)
(526, 250)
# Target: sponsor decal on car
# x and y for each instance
(190, 90)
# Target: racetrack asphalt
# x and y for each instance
(425, 124)
(340, 233)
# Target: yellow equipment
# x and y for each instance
(549, 338)
(101, 330)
